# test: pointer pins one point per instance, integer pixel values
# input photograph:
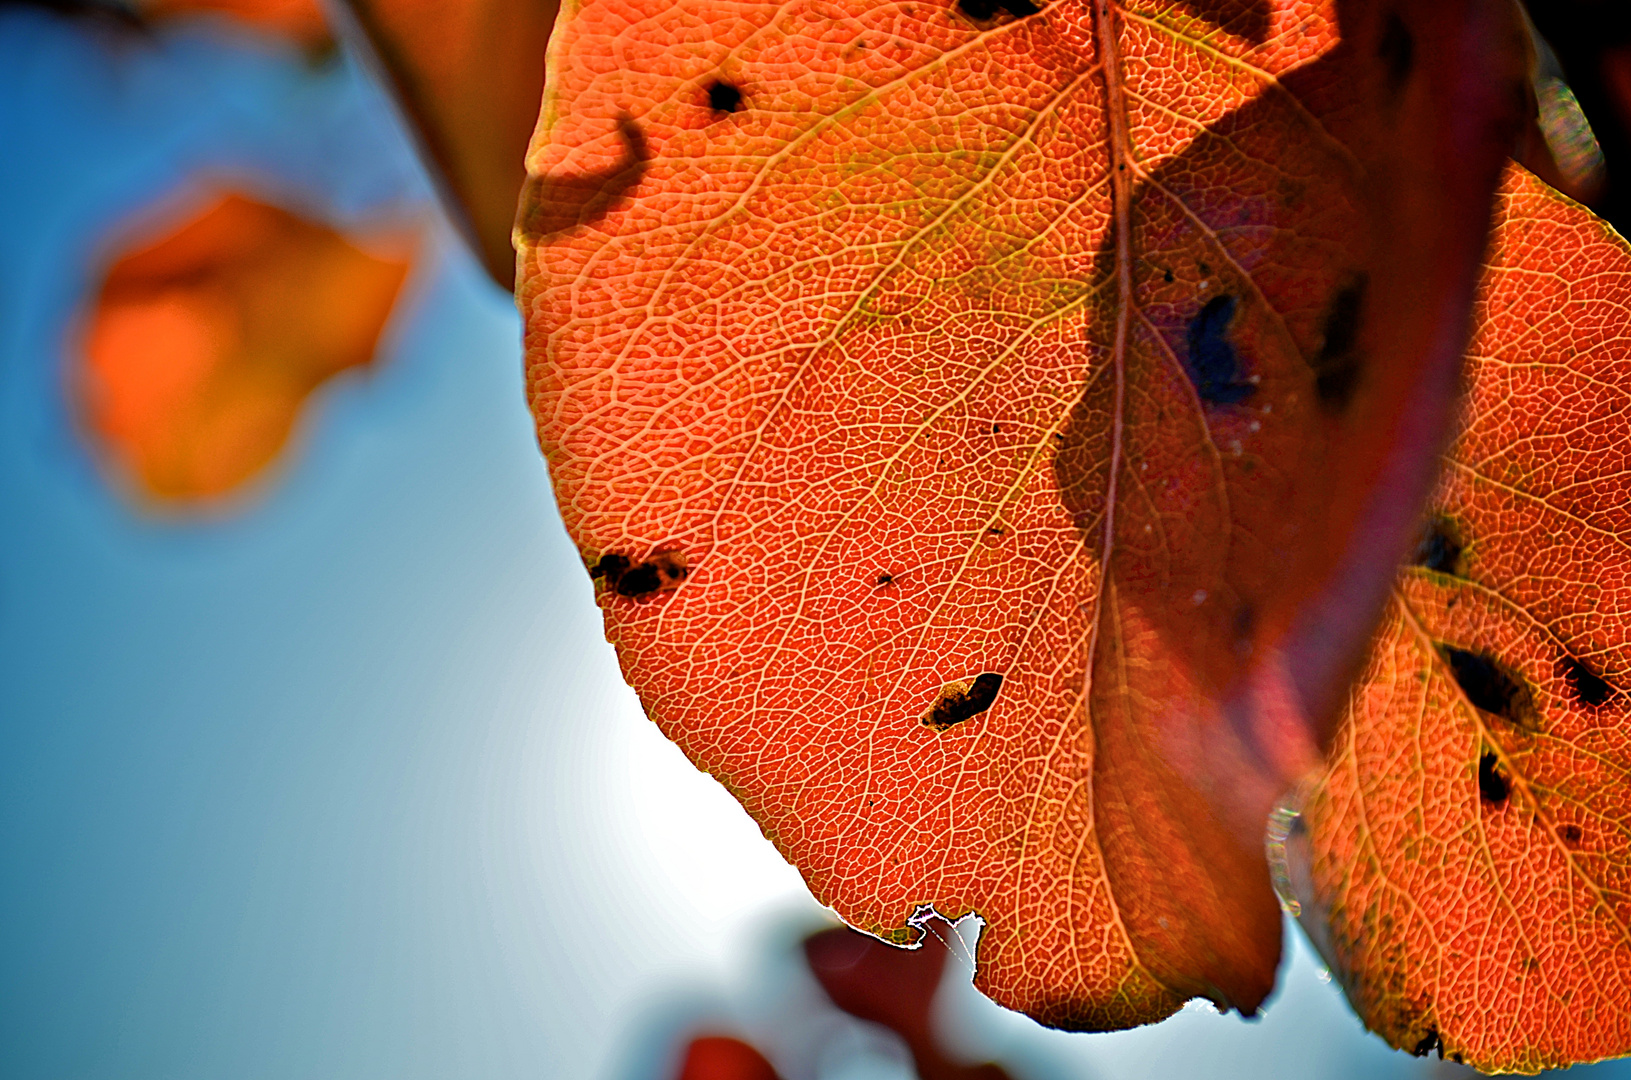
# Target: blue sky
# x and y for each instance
(340, 780)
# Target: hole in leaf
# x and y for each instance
(1491, 686)
(662, 571)
(1492, 784)
(723, 97)
(1428, 1043)
(1587, 685)
(1336, 369)
(960, 700)
(1212, 364)
(986, 10)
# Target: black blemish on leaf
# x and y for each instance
(1428, 1043)
(1570, 833)
(662, 571)
(1245, 622)
(1587, 685)
(1397, 51)
(960, 700)
(1336, 368)
(638, 581)
(1439, 547)
(1492, 687)
(986, 10)
(1492, 785)
(610, 567)
(1166, 276)
(724, 98)
(885, 579)
(1211, 363)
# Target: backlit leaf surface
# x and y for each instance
(1471, 839)
(205, 345)
(995, 431)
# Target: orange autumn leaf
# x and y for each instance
(204, 347)
(995, 431)
(468, 76)
(1471, 838)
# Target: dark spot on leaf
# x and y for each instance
(1336, 368)
(1492, 785)
(1167, 277)
(1439, 548)
(1570, 833)
(723, 97)
(1428, 1043)
(1205, 269)
(1245, 624)
(986, 10)
(1397, 51)
(1587, 685)
(885, 579)
(1492, 687)
(1245, 620)
(610, 567)
(638, 581)
(662, 571)
(960, 700)
(1212, 364)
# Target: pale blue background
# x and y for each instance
(341, 781)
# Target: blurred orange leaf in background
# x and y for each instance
(203, 347)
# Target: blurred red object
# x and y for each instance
(893, 987)
(719, 1057)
